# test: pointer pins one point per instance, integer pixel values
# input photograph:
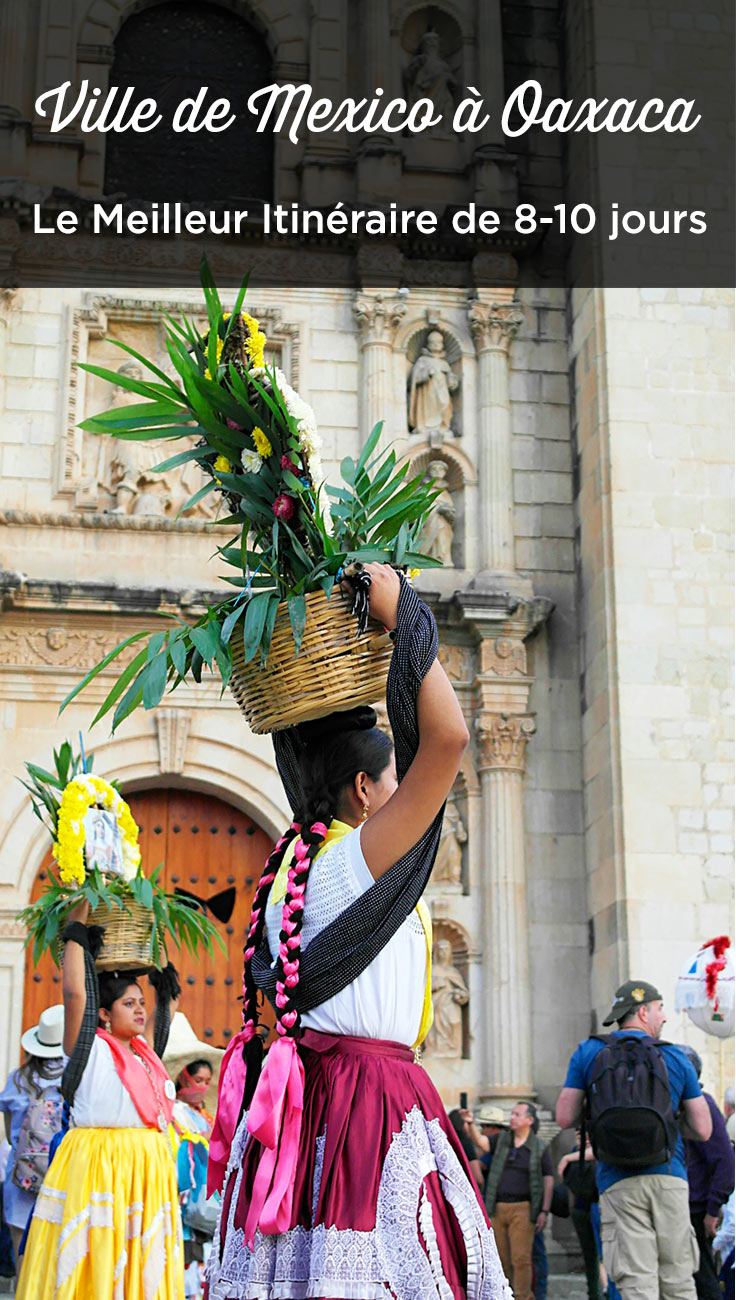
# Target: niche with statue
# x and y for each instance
(444, 533)
(434, 385)
(450, 1033)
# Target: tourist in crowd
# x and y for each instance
(107, 1217)
(649, 1246)
(710, 1177)
(458, 1119)
(723, 1245)
(728, 1111)
(339, 947)
(580, 1180)
(31, 1105)
(195, 1068)
(518, 1194)
(489, 1123)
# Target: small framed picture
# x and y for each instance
(103, 847)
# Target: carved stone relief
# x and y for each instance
(429, 76)
(457, 661)
(448, 1036)
(172, 733)
(432, 384)
(448, 868)
(443, 534)
(58, 647)
(115, 476)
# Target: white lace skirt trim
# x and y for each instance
(399, 1256)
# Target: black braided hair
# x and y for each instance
(166, 985)
(253, 1049)
(333, 750)
(330, 753)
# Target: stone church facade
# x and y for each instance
(582, 443)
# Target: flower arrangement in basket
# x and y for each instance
(97, 857)
(256, 442)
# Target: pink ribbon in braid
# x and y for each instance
(275, 1116)
(233, 1071)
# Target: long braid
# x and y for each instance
(253, 1051)
(292, 920)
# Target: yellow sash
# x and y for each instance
(335, 832)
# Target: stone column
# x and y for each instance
(378, 171)
(503, 727)
(494, 323)
(378, 316)
(495, 177)
(502, 740)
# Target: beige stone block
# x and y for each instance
(646, 624)
(658, 922)
(651, 547)
(648, 824)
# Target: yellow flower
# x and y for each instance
(263, 446)
(413, 573)
(256, 341)
(223, 465)
(76, 800)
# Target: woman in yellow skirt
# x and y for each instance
(106, 1224)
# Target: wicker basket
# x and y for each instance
(127, 944)
(335, 669)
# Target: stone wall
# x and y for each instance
(652, 376)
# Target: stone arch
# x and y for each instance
(449, 11)
(151, 52)
(246, 779)
(103, 19)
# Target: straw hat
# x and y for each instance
(492, 1115)
(46, 1038)
(184, 1046)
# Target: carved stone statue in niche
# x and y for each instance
(127, 472)
(439, 530)
(428, 76)
(448, 867)
(432, 382)
(449, 995)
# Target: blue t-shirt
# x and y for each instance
(683, 1086)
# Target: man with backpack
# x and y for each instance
(632, 1091)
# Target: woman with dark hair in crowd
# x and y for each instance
(106, 1222)
(194, 1066)
(31, 1102)
(344, 1176)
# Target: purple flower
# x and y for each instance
(287, 463)
(283, 506)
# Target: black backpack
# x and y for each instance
(628, 1104)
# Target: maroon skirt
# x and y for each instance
(384, 1203)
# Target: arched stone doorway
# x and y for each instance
(153, 53)
(205, 845)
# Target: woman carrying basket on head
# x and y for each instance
(344, 1177)
(106, 1225)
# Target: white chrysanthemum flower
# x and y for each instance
(309, 439)
(251, 461)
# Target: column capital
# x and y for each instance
(494, 324)
(502, 739)
(379, 316)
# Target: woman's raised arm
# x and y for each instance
(443, 738)
(73, 990)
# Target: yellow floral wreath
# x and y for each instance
(81, 794)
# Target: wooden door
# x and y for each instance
(205, 845)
